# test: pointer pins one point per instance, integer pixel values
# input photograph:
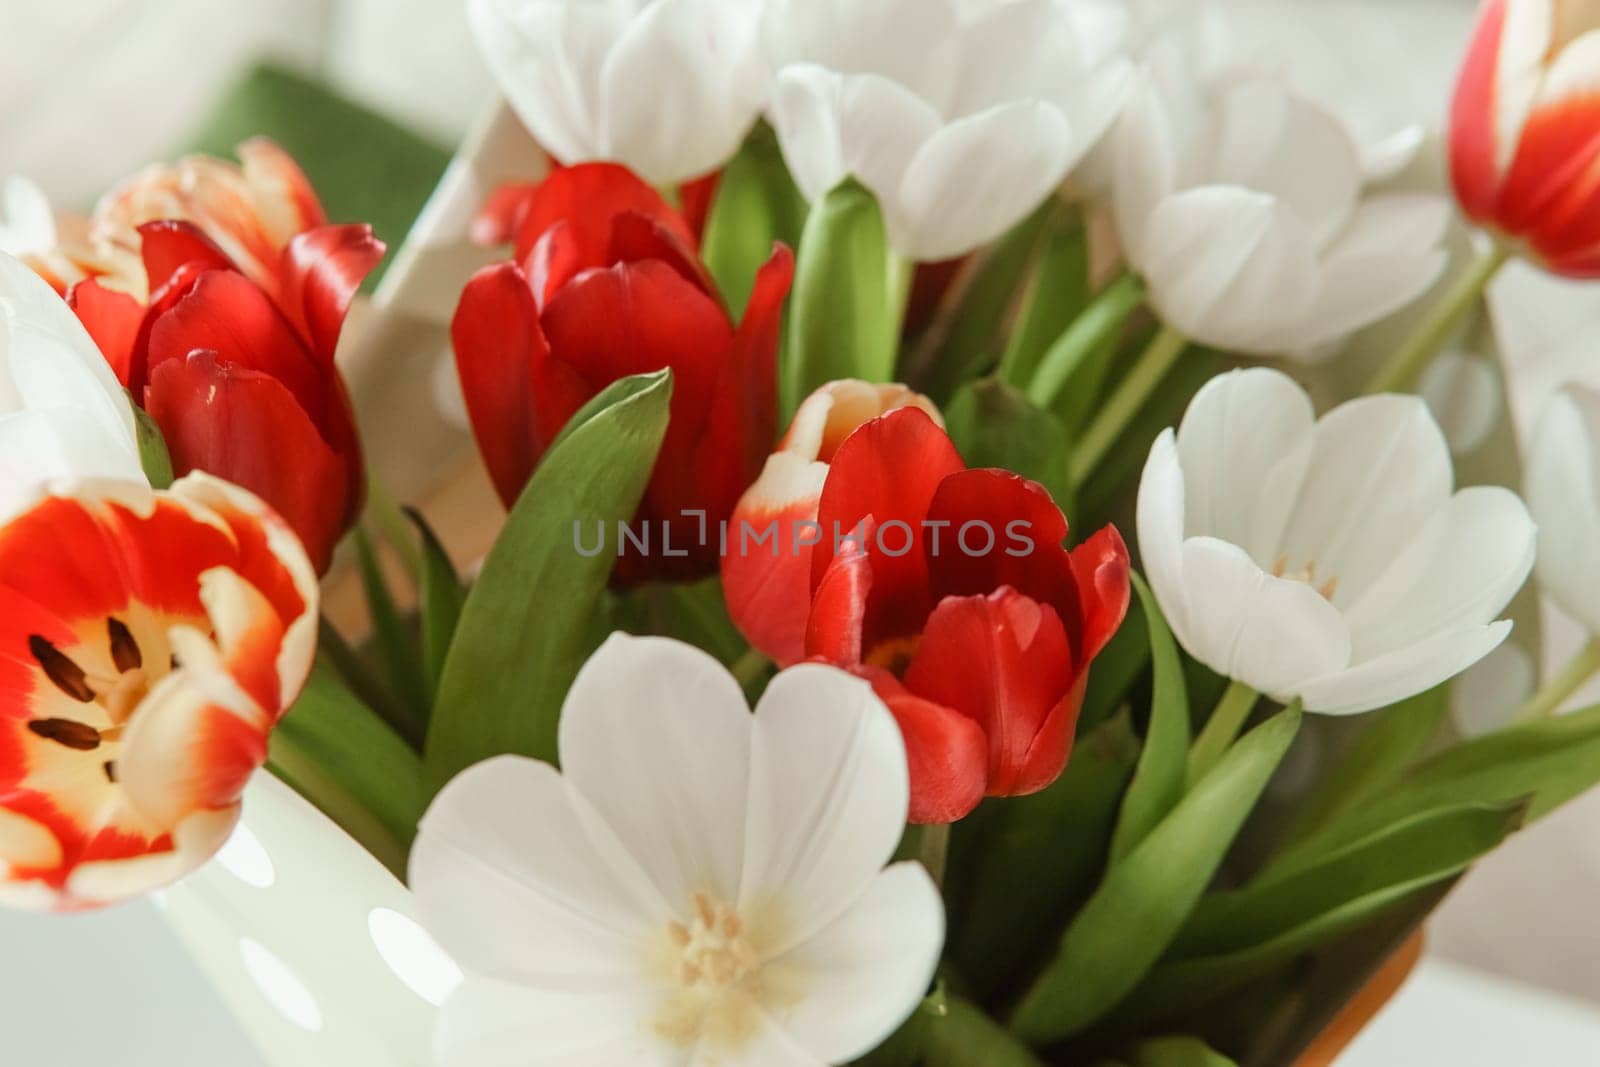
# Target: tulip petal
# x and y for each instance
(946, 752)
(1004, 661)
(766, 576)
(839, 608)
(851, 984)
(587, 199)
(1380, 469)
(1462, 567)
(491, 1022)
(497, 340)
(1563, 489)
(828, 795)
(667, 767)
(518, 876)
(1145, 168)
(1273, 634)
(888, 470)
(1495, 88)
(1101, 567)
(246, 427)
(1160, 518)
(173, 246)
(322, 269)
(1244, 444)
(41, 447)
(979, 176)
(113, 320)
(1392, 677)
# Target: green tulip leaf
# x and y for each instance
(840, 319)
(1118, 666)
(995, 425)
(1143, 902)
(153, 454)
(963, 1036)
(1019, 865)
(1058, 291)
(395, 644)
(439, 603)
(1158, 783)
(756, 206)
(526, 625)
(1177, 1052)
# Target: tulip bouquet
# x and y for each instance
(1010, 400)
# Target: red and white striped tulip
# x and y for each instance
(149, 643)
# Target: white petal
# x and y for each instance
(195, 839)
(1273, 634)
(832, 125)
(979, 176)
(41, 447)
(517, 877)
(1462, 567)
(682, 87)
(828, 797)
(492, 1023)
(1380, 470)
(1563, 486)
(1160, 520)
(1245, 443)
(1385, 259)
(47, 359)
(1380, 682)
(916, 43)
(547, 59)
(845, 990)
(1271, 141)
(1524, 43)
(656, 735)
(1231, 268)
(27, 224)
(764, 1044)
(1144, 149)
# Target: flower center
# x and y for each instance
(713, 953)
(895, 655)
(113, 697)
(1306, 574)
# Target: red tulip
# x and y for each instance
(1525, 130)
(766, 577)
(232, 352)
(949, 590)
(149, 643)
(607, 283)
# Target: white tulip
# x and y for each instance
(62, 413)
(1241, 204)
(1563, 485)
(695, 885)
(667, 87)
(1325, 559)
(27, 223)
(960, 116)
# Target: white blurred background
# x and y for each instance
(94, 88)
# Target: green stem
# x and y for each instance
(1104, 316)
(902, 272)
(1221, 729)
(934, 850)
(386, 515)
(1126, 402)
(1405, 367)
(963, 1036)
(1555, 692)
(748, 668)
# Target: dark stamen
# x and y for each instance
(110, 767)
(125, 652)
(66, 675)
(68, 732)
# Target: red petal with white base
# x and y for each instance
(126, 734)
(1475, 149)
(1004, 661)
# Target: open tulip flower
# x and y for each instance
(607, 283)
(1525, 130)
(949, 589)
(1325, 559)
(1241, 205)
(234, 357)
(960, 117)
(668, 88)
(695, 885)
(148, 644)
(62, 413)
(768, 583)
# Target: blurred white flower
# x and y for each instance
(27, 224)
(696, 884)
(668, 88)
(62, 412)
(961, 116)
(1563, 485)
(1325, 559)
(1241, 203)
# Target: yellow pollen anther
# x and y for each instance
(713, 952)
(1306, 574)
